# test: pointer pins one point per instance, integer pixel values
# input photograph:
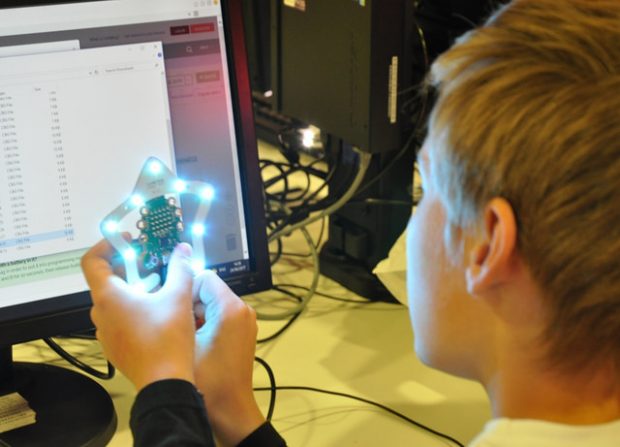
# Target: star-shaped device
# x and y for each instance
(156, 197)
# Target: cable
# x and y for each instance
(272, 386)
(306, 298)
(369, 402)
(325, 295)
(465, 19)
(299, 205)
(317, 244)
(364, 162)
(278, 254)
(84, 335)
(361, 173)
(320, 238)
(418, 87)
(277, 210)
(390, 165)
(304, 208)
(288, 323)
(79, 364)
(316, 192)
(422, 37)
(287, 169)
(381, 202)
(301, 210)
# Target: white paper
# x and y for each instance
(392, 271)
(15, 412)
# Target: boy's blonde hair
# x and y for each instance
(529, 109)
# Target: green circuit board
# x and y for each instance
(161, 226)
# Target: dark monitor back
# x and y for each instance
(257, 19)
(339, 66)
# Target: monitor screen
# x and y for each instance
(89, 91)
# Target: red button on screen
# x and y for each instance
(203, 28)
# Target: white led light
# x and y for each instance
(198, 265)
(139, 287)
(207, 193)
(198, 229)
(308, 136)
(180, 186)
(268, 94)
(155, 167)
(111, 226)
(137, 200)
(129, 254)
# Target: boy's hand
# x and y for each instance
(147, 336)
(225, 347)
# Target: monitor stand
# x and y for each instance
(71, 409)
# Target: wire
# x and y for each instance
(287, 169)
(316, 192)
(325, 295)
(369, 402)
(301, 204)
(278, 211)
(465, 19)
(381, 202)
(313, 253)
(310, 202)
(272, 386)
(78, 363)
(288, 323)
(87, 335)
(306, 298)
(364, 162)
(280, 253)
(422, 37)
(320, 238)
(418, 87)
(390, 165)
(304, 208)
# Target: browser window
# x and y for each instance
(123, 85)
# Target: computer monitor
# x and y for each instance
(89, 91)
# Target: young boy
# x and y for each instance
(513, 271)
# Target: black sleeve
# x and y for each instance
(170, 413)
(264, 436)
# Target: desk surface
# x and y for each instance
(361, 349)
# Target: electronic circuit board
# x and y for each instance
(160, 228)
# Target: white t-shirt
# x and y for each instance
(533, 433)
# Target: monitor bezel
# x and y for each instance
(46, 318)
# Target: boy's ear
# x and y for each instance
(491, 256)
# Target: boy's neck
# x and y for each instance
(522, 389)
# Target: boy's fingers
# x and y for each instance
(209, 286)
(96, 264)
(180, 274)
